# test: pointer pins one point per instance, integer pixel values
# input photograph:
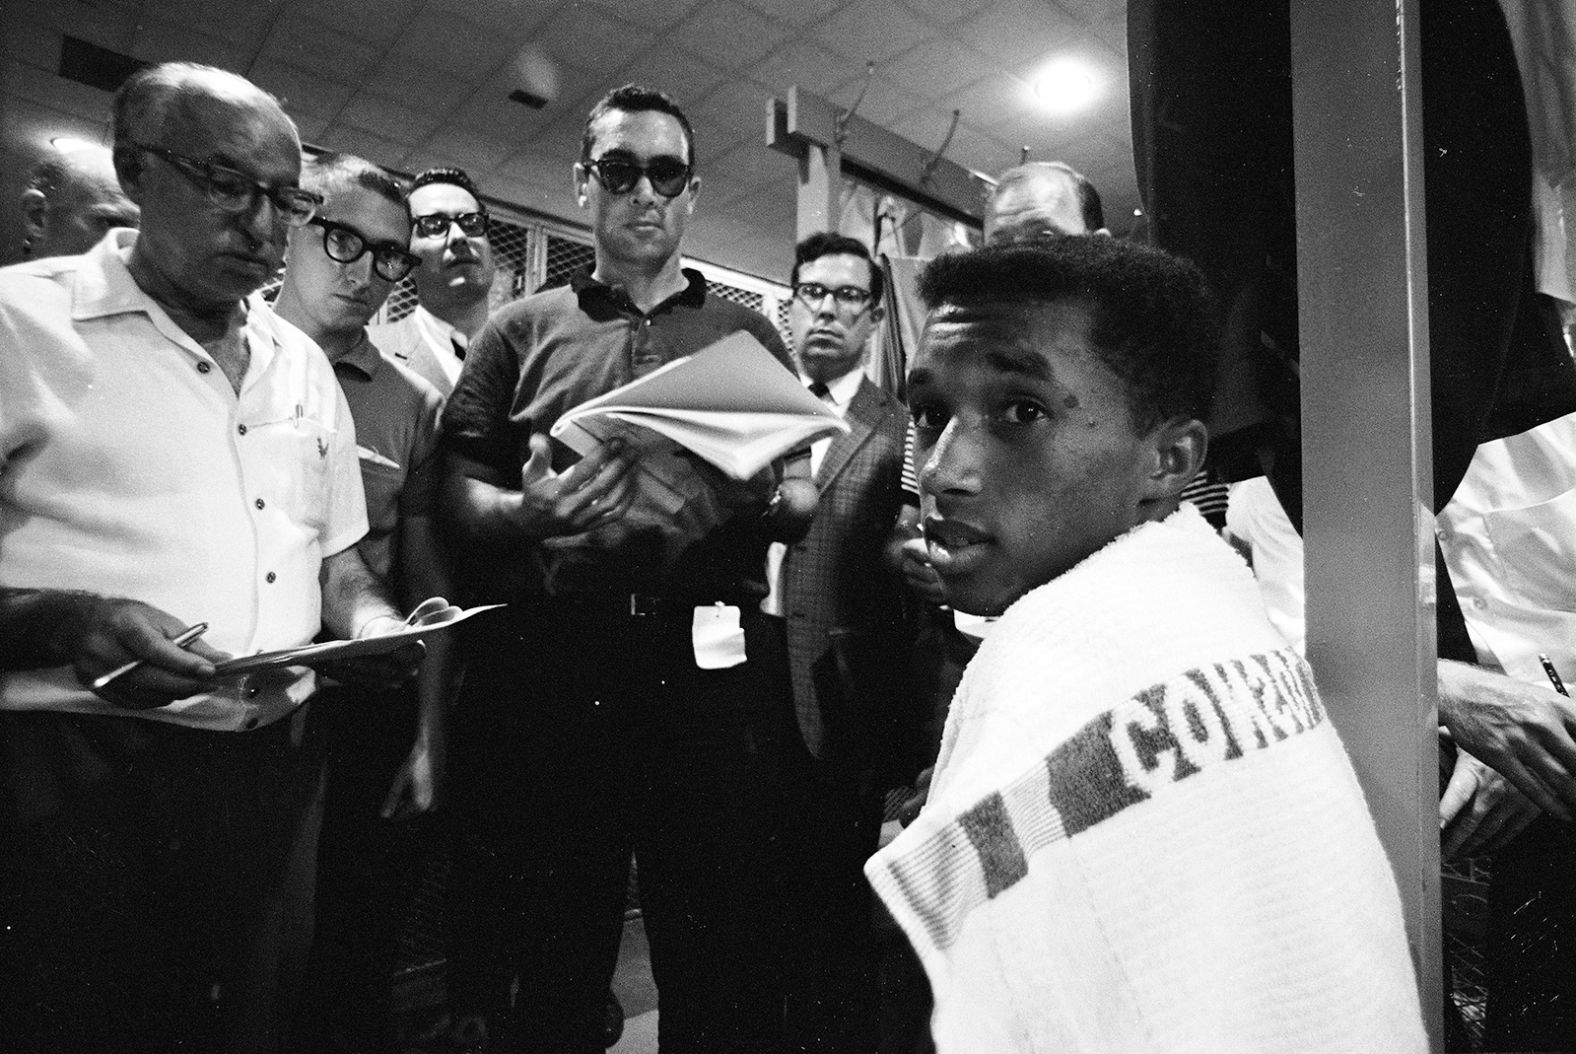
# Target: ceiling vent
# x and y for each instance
(95, 66)
(525, 98)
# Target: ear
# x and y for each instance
(582, 173)
(35, 213)
(128, 169)
(694, 193)
(1179, 446)
(877, 313)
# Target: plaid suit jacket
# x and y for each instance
(847, 642)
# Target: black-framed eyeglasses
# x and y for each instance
(437, 224)
(235, 191)
(345, 244)
(811, 294)
(668, 175)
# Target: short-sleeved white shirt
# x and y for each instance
(130, 467)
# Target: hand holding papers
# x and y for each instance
(730, 403)
(429, 617)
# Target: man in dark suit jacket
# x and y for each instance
(845, 631)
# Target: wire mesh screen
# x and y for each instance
(565, 256)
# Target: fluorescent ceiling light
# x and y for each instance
(67, 143)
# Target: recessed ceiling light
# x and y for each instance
(67, 143)
(1066, 85)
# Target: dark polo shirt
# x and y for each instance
(396, 416)
(544, 355)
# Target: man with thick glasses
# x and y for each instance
(453, 279)
(173, 456)
(839, 611)
(385, 748)
(622, 702)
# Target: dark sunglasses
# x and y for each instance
(668, 175)
(347, 245)
(437, 224)
(235, 191)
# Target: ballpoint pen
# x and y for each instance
(1554, 675)
(180, 640)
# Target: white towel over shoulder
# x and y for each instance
(1144, 834)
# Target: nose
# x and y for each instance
(952, 464)
(263, 219)
(643, 191)
(455, 233)
(826, 307)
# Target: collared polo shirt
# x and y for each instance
(546, 354)
(396, 416)
(129, 467)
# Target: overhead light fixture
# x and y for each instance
(67, 143)
(1066, 85)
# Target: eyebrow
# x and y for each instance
(1025, 363)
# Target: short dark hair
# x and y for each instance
(330, 173)
(825, 244)
(1088, 197)
(1153, 316)
(455, 176)
(637, 98)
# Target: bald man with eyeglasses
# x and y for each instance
(176, 463)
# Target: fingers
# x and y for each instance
(124, 631)
(540, 464)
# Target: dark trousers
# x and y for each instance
(145, 867)
(1530, 964)
(582, 737)
(368, 870)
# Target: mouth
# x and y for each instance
(955, 547)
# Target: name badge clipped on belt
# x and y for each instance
(718, 637)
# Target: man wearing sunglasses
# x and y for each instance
(621, 702)
(172, 454)
(453, 278)
(385, 749)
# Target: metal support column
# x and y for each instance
(1367, 476)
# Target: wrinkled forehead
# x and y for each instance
(247, 132)
(1045, 200)
(1002, 336)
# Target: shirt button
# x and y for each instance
(241, 429)
(203, 367)
(260, 503)
(269, 577)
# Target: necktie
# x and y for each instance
(821, 392)
(459, 349)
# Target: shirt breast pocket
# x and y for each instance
(290, 462)
(1536, 546)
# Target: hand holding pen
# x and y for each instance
(134, 655)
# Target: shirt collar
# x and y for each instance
(692, 295)
(437, 330)
(364, 358)
(104, 285)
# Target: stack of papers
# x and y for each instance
(429, 617)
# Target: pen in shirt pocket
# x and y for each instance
(1554, 675)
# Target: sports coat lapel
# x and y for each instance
(861, 417)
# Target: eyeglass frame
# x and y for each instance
(367, 246)
(685, 174)
(451, 219)
(201, 174)
(840, 296)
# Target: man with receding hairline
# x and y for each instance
(1042, 198)
(172, 455)
(71, 201)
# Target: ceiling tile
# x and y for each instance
(107, 25)
(737, 107)
(995, 100)
(57, 93)
(159, 41)
(242, 22)
(800, 12)
(936, 67)
(375, 148)
(946, 12)
(539, 168)
(456, 146)
(310, 129)
(33, 125)
(734, 36)
(25, 40)
(304, 95)
(808, 64)
(754, 163)
(491, 112)
(1016, 32)
(453, 45)
(873, 31)
(408, 79)
(507, 18)
(317, 46)
(655, 15)
(376, 22)
(388, 118)
(981, 151)
(682, 74)
(591, 39)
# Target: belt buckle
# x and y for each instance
(643, 605)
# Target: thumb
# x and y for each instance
(1463, 781)
(540, 463)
